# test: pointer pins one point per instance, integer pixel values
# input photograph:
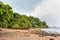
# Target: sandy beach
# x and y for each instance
(31, 34)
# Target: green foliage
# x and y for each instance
(10, 19)
(14, 25)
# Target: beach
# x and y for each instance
(31, 34)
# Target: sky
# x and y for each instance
(45, 10)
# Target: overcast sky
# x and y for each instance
(46, 10)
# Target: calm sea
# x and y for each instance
(52, 30)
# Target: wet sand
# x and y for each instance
(31, 34)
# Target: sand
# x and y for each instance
(17, 34)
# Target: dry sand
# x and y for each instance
(31, 34)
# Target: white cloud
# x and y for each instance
(49, 11)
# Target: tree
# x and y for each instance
(10, 19)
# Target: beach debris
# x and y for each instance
(51, 39)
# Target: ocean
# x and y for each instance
(52, 30)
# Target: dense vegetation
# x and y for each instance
(10, 19)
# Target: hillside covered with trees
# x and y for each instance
(10, 19)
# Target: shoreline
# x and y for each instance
(52, 30)
(33, 29)
(30, 34)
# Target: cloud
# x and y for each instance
(49, 11)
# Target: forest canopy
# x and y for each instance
(10, 19)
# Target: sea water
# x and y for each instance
(52, 30)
